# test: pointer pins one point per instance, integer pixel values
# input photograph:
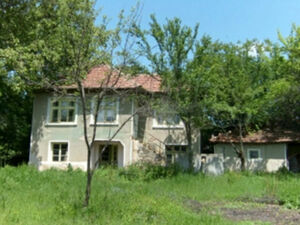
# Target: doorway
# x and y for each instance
(109, 156)
(293, 156)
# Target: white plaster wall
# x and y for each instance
(43, 134)
(161, 136)
(62, 165)
(272, 156)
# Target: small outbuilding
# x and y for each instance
(264, 150)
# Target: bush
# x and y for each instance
(283, 171)
(149, 171)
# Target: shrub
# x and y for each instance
(284, 171)
(149, 171)
(290, 200)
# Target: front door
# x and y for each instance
(109, 156)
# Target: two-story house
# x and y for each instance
(57, 138)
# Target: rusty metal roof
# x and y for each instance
(262, 136)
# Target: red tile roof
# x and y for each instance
(259, 137)
(104, 76)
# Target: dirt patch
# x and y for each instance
(241, 211)
(268, 213)
(264, 200)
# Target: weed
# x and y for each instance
(148, 171)
(139, 194)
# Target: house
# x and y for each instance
(264, 150)
(57, 137)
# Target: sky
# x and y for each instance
(224, 20)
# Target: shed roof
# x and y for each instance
(259, 137)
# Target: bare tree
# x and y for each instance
(119, 47)
(84, 45)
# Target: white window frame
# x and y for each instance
(49, 109)
(114, 123)
(254, 149)
(156, 125)
(50, 151)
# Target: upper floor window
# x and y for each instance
(167, 119)
(108, 111)
(62, 110)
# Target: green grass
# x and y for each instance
(55, 197)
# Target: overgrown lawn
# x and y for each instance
(55, 197)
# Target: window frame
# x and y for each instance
(50, 111)
(108, 123)
(50, 151)
(156, 125)
(254, 149)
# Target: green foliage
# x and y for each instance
(284, 90)
(242, 81)
(43, 44)
(290, 199)
(15, 119)
(174, 46)
(6, 154)
(170, 60)
(149, 171)
(175, 42)
(284, 171)
(55, 197)
(47, 40)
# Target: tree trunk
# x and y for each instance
(243, 163)
(241, 154)
(89, 172)
(188, 130)
(89, 176)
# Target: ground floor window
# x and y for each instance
(172, 151)
(109, 156)
(59, 152)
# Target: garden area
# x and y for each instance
(147, 195)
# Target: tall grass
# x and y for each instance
(55, 197)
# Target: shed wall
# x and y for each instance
(273, 156)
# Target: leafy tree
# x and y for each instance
(58, 46)
(82, 45)
(175, 43)
(31, 56)
(15, 118)
(30, 50)
(242, 98)
(285, 88)
(18, 20)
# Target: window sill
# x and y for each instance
(105, 124)
(167, 127)
(61, 124)
(60, 162)
(57, 163)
